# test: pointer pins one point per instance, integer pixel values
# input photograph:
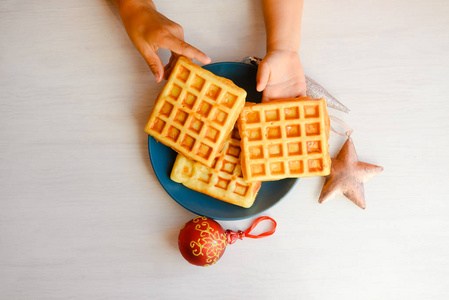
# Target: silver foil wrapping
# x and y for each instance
(315, 90)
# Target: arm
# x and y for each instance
(149, 30)
(280, 73)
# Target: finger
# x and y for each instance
(180, 47)
(170, 65)
(153, 61)
(265, 98)
(270, 93)
(167, 68)
(263, 74)
(303, 90)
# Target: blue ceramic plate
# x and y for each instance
(163, 158)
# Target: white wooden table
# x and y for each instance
(82, 215)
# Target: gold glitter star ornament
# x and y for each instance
(348, 175)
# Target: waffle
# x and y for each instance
(195, 112)
(284, 138)
(223, 181)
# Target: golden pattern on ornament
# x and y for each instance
(212, 240)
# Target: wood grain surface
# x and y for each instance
(82, 215)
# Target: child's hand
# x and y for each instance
(149, 30)
(280, 75)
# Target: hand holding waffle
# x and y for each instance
(280, 73)
(281, 76)
(149, 30)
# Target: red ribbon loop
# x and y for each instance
(233, 236)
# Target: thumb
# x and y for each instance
(263, 74)
(154, 62)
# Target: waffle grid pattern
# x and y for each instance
(285, 138)
(223, 181)
(195, 112)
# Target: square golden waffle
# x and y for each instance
(195, 112)
(285, 138)
(224, 181)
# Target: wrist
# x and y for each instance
(281, 50)
(282, 46)
(127, 4)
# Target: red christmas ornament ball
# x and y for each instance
(202, 241)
